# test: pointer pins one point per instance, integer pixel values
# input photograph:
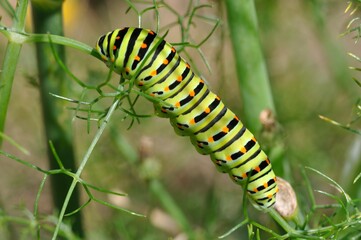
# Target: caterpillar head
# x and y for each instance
(102, 47)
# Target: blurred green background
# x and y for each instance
(307, 63)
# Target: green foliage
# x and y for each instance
(327, 209)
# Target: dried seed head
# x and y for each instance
(286, 201)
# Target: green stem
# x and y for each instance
(57, 124)
(23, 37)
(11, 58)
(82, 165)
(6, 80)
(281, 221)
(251, 68)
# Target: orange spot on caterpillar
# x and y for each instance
(257, 169)
(254, 139)
(165, 62)
(179, 78)
(269, 196)
(207, 110)
(201, 80)
(255, 190)
(243, 150)
(137, 58)
(114, 47)
(163, 110)
(265, 185)
(153, 73)
(187, 65)
(210, 139)
(166, 89)
(152, 94)
(117, 38)
(218, 98)
(144, 45)
(177, 104)
(244, 175)
(127, 69)
(191, 93)
(172, 49)
(236, 118)
(225, 129)
(151, 32)
(192, 121)
(267, 161)
(140, 84)
(228, 158)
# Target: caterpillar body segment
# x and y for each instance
(193, 110)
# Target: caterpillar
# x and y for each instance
(193, 110)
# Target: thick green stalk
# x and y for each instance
(251, 68)
(48, 19)
(11, 58)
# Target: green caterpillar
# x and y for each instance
(193, 110)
